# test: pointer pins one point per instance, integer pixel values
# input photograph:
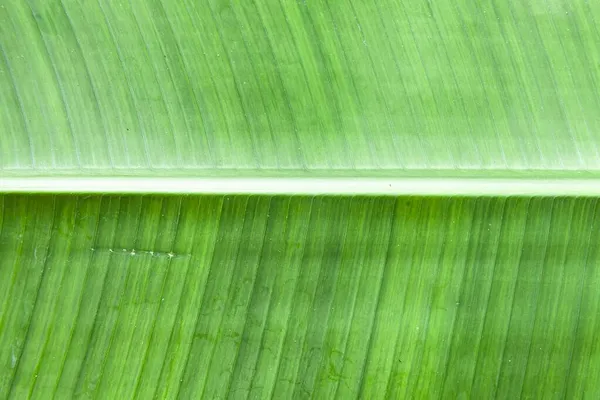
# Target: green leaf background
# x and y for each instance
(298, 296)
(313, 84)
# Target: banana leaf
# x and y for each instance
(376, 199)
(134, 87)
(298, 297)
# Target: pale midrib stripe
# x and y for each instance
(431, 186)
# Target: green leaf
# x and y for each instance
(214, 296)
(260, 297)
(123, 86)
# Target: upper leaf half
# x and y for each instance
(304, 85)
